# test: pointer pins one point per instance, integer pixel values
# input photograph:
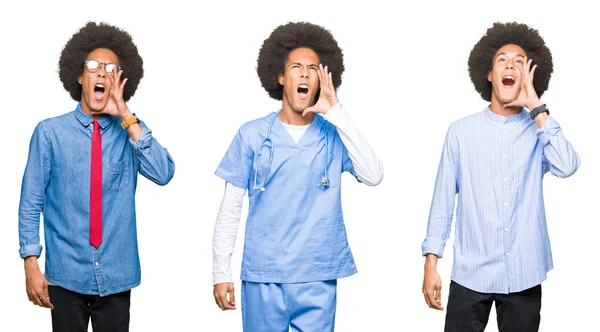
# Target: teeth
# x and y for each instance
(100, 85)
(304, 86)
(509, 77)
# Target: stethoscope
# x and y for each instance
(267, 143)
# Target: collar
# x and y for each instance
(86, 120)
(505, 119)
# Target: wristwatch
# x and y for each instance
(129, 121)
(540, 109)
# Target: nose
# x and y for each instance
(510, 64)
(304, 71)
(102, 71)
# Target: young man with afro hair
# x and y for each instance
(81, 174)
(495, 161)
(291, 162)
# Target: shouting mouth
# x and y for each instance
(99, 91)
(303, 91)
(508, 81)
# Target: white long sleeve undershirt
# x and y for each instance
(368, 168)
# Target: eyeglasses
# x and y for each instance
(95, 65)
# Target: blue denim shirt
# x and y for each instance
(56, 183)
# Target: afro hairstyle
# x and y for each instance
(500, 34)
(286, 38)
(94, 36)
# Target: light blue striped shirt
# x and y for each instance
(496, 165)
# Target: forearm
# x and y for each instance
(367, 165)
(225, 232)
(560, 157)
(442, 203)
(33, 190)
(155, 161)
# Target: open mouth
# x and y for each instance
(99, 91)
(303, 90)
(508, 80)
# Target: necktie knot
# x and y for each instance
(96, 125)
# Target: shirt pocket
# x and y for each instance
(116, 175)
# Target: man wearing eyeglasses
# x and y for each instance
(82, 174)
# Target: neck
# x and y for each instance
(498, 107)
(291, 117)
(87, 111)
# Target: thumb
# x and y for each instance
(308, 110)
(231, 295)
(46, 297)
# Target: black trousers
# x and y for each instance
(469, 311)
(72, 311)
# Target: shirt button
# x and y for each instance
(505, 179)
(505, 204)
(508, 254)
(504, 155)
(506, 229)
(97, 264)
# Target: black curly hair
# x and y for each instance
(91, 37)
(500, 34)
(286, 38)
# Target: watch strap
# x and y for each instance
(540, 109)
(129, 121)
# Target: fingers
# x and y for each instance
(532, 73)
(122, 87)
(45, 297)
(433, 299)
(426, 298)
(232, 297)
(40, 297)
(218, 299)
(220, 293)
(438, 298)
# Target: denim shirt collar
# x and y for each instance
(86, 120)
(505, 119)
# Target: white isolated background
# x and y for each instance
(406, 80)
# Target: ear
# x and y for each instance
(280, 78)
(79, 78)
(490, 76)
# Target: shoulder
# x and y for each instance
(256, 126)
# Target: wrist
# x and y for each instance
(126, 115)
(532, 104)
(431, 262)
(31, 262)
(128, 121)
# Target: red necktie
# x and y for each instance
(96, 188)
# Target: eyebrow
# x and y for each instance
(504, 53)
(298, 63)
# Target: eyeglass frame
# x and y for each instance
(101, 65)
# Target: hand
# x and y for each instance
(432, 284)
(327, 97)
(116, 105)
(36, 284)
(527, 97)
(220, 293)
